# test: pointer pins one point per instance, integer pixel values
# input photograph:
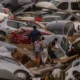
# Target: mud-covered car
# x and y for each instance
(22, 35)
(14, 4)
(15, 67)
(73, 71)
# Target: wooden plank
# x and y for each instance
(42, 69)
(65, 60)
(27, 46)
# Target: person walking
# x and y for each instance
(44, 53)
(37, 50)
(34, 34)
(53, 48)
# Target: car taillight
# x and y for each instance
(73, 49)
(38, 19)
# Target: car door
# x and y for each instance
(23, 37)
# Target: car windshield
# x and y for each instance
(31, 24)
(48, 19)
(62, 15)
(54, 2)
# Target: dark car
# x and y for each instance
(14, 4)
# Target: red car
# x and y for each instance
(21, 36)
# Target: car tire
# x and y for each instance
(76, 74)
(2, 33)
(27, 76)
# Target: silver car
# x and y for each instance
(64, 44)
(15, 67)
(14, 4)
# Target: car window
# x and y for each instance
(48, 19)
(62, 15)
(22, 25)
(13, 24)
(61, 6)
(31, 24)
(74, 6)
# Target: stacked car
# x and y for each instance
(54, 19)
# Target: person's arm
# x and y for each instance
(53, 47)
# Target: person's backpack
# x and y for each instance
(37, 47)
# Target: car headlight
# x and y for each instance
(22, 75)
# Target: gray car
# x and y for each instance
(64, 44)
(15, 68)
(61, 27)
(14, 4)
(6, 75)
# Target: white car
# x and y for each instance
(73, 73)
(15, 67)
(70, 5)
(8, 26)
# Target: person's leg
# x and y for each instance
(37, 59)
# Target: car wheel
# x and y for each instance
(22, 75)
(2, 34)
(76, 74)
